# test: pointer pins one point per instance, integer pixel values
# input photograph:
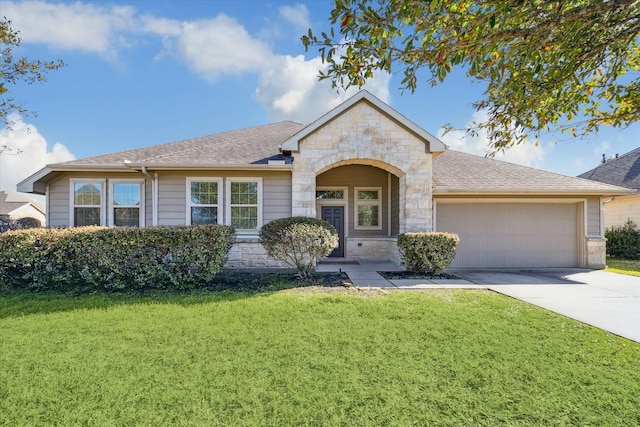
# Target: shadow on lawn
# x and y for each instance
(228, 286)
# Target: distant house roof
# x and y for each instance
(623, 171)
(10, 202)
(461, 173)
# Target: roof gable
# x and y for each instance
(623, 171)
(293, 143)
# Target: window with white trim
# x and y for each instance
(87, 200)
(204, 196)
(244, 203)
(126, 203)
(368, 208)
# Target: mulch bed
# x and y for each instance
(397, 275)
(267, 281)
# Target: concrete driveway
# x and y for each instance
(608, 301)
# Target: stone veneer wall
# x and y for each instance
(377, 248)
(596, 253)
(364, 135)
(247, 252)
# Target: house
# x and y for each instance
(363, 167)
(23, 210)
(622, 171)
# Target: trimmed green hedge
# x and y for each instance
(87, 259)
(623, 241)
(299, 241)
(428, 252)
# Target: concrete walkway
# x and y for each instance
(605, 300)
(364, 274)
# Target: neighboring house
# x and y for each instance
(623, 171)
(23, 210)
(363, 167)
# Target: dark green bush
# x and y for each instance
(299, 241)
(89, 259)
(427, 253)
(623, 241)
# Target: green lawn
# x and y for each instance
(308, 357)
(623, 266)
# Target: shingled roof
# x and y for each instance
(255, 145)
(623, 171)
(10, 201)
(460, 173)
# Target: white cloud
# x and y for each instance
(211, 47)
(288, 86)
(298, 15)
(75, 26)
(289, 89)
(33, 153)
(527, 154)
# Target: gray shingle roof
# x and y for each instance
(255, 145)
(623, 171)
(458, 172)
(454, 172)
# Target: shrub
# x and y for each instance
(299, 241)
(427, 252)
(623, 241)
(88, 259)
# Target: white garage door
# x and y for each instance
(512, 235)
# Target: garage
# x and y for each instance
(510, 235)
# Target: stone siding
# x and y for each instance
(364, 135)
(596, 253)
(373, 248)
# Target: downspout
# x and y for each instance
(154, 195)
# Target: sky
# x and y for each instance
(146, 72)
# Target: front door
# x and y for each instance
(334, 215)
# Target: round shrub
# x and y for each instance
(429, 252)
(299, 241)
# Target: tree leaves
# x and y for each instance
(544, 64)
(13, 70)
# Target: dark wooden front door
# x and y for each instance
(334, 215)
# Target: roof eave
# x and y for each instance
(527, 192)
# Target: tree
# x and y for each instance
(561, 65)
(13, 70)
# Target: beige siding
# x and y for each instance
(358, 176)
(513, 234)
(593, 217)
(172, 197)
(620, 210)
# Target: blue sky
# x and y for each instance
(147, 72)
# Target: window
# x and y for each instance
(203, 198)
(329, 194)
(87, 199)
(368, 210)
(244, 203)
(125, 205)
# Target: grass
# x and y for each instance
(309, 356)
(623, 266)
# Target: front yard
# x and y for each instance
(623, 266)
(308, 356)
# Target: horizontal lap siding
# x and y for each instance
(619, 211)
(172, 197)
(593, 217)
